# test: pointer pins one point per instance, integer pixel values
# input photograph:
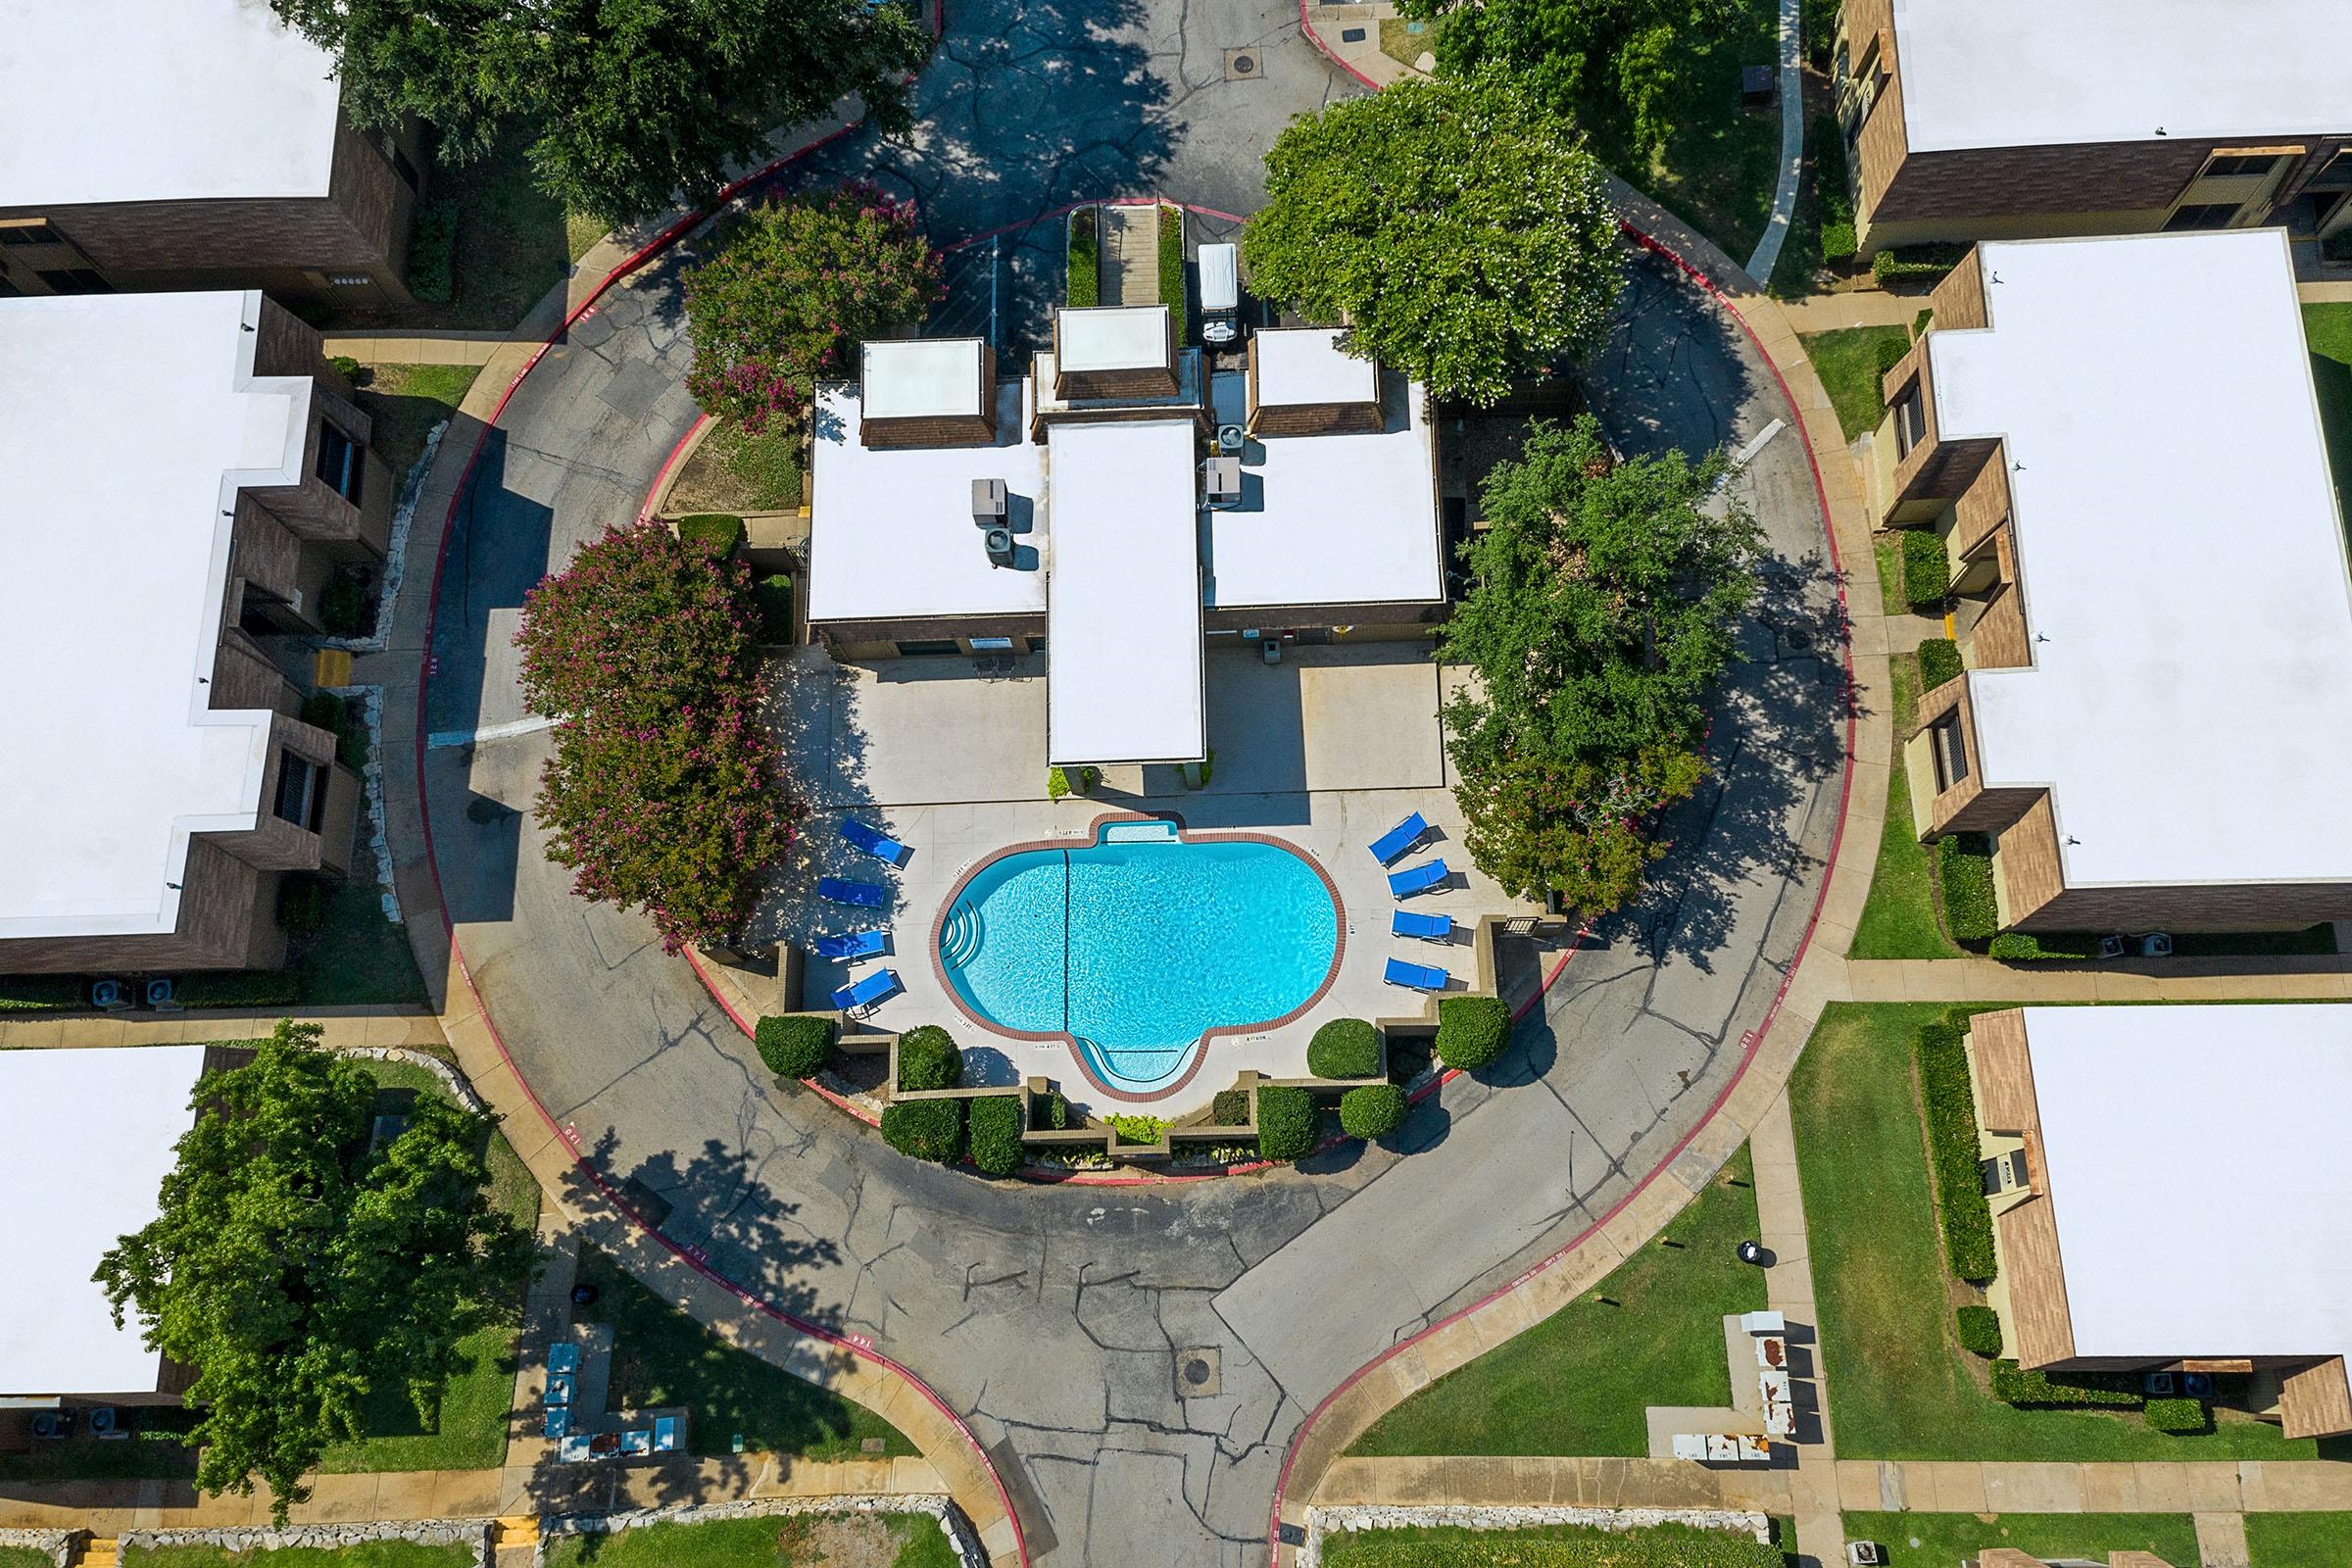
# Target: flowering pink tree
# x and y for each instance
(795, 286)
(664, 789)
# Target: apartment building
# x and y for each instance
(184, 471)
(165, 144)
(2120, 443)
(2170, 1190)
(1969, 120)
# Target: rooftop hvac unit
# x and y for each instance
(1864, 1554)
(2156, 944)
(52, 1424)
(1229, 439)
(1221, 482)
(103, 1423)
(159, 996)
(988, 503)
(998, 542)
(110, 996)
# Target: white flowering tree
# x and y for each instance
(1461, 230)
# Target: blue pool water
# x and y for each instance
(1139, 942)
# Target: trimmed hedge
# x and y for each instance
(1980, 1330)
(1942, 1056)
(2181, 1417)
(928, 1059)
(2106, 1390)
(239, 988)
(433, 250)
(1552, 1546)
(771, 597)
(43, 993)
(1916, 260)
(1345, 1048)
(1471, 1031)
(795, 1046)
(1926, 571)
(1171, 264)
(301, 905)
(927, 1129)
(1054, 1111)
(1373, 1112)
(1964, 873)
(343, 605)
(722, 533)
(1231, 1109)
(1085, 286)
(1287, 1124)
(995, 1128)
(2022, 947)
(1939, 662)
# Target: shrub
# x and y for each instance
(1142, 1131)
(719, 532)
(2183, 1417)
(42, 992)
(928, 1059)
(1980, 1330)
(2113, 1390)
(301, 905)
(1964, 873)
(1053, 1111)
(1891, 351)
(239, 988)
(1927, 572)
(795, 286)
(2020, 947)
(795, 1046)
(1374, 1111)
(343, 605)
(1231, 1109)
(927, 1129)
(323, 710)
(1920, 261)
(995, 1128)
(433, 250)
(771, 597)
(1939, 662)
(1838, 243)
(1287, 1124)
(1085, 261)
(1345, 1048)
(350, 370)
(1472, 1031)
(1171, 264)
(1943, 1089)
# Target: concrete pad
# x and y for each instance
(2222, 1539)
(1371, 724)
(2034, 1488)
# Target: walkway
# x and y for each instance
(2312, 979)
(1767, 254)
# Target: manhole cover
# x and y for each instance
(1240, 65)
(1197, 1374)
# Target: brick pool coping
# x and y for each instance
(1200, 1047)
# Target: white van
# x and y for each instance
(1220, 294)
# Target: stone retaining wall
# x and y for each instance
(1323, 1521)
(960, 1539)
(451, 1079)
(473, 1534)
(56, 1544)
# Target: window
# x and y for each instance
(1910, 419)
(75, 280)
(340, 461)
(2232, 165)
(992, 645)
(301, 792)
(2201, 215)
(1951, 755)
(917, 650)
(20, 233)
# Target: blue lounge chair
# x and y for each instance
(1419, 976)
(666, 1433)
(865, 895)
(872, 841)
(1392, 846)
(564, 1358)
(857, 945)
(559, 1424)
(1418, 878)
(560, 1388)
(1428, 927)
(866, 992)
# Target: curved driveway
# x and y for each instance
(1051, 1317)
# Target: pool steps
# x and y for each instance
(959, 935)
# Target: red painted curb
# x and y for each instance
(1312, 37)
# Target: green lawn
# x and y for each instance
(1847, 361)
(1900, 918)
(1905, 1389)
(22, 1557)
(370, 1554)
(356, 957)
(1944, 1540)
(1578, 1382)
(2328, 330)
(2299, 1539)
(1405, 41)
(782, 1541)
(470, 1432)
(732, 470)
(1546, 1547)
(663, 1358)
(514, 240)
(1721, 160)
(406, 402)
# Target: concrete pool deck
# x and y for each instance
(1324, 751)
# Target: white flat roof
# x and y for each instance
(2199, 1175)
(921, 377)
(2179, 554)
(2030, 73)
(1328, 519)
(127, 422)
(1306, 365)
(891, 532)
(1112, 338)
(160, 100)
(1123, 636)
(86, 1137)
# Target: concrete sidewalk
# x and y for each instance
(2312, 979)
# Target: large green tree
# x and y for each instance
(1602, 607)
(630, 103)
(295, 1264)
(1461, 230)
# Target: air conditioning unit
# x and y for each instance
(1221, 482)
(159, 996)
(2111, 947)
(103, 1423)
(2156, 944)
(2157, 1385)
(1230, 438)
(998, 544)
(110, 996)
(52, 1424)
(1865, 1553)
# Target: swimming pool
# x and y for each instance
(1136, 944)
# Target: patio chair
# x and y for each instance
(563, 1356)
(872, 841)
(1418, 878)
(1428, 927)
(1419, 976)
(865, 895)
(1394, 845)
(559, 1424)
(856, 945)
(560, 1387)
(866, 992)
(666, 1433)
